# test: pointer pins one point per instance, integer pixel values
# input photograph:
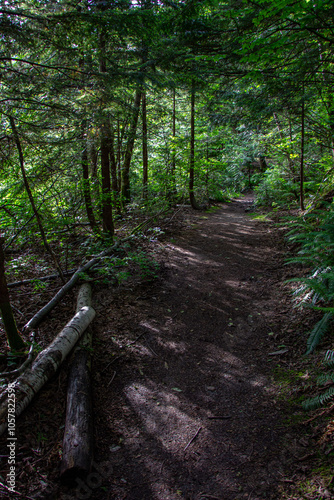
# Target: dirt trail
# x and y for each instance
(190, 360)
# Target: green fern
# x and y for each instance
(318, 401)
(324, 378)
(329, 359)
(318, 332)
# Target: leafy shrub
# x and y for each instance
(277, 187)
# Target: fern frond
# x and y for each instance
(324, 309)
(325, 378)
(318, 401)
(329, 359)
(318, 332)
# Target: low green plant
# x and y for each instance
(326, 379)
(314, 233)
(148, 267)
(39, 285)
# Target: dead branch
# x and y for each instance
(193, 439)
(40, 315)
(42, 278)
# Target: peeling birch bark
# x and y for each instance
(45, 365)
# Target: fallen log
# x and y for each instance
(40, 315)
(78, 435)
(45, 366)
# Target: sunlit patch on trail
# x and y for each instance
(161, 415)
(149, 326)
(176, 347)
(218, 355)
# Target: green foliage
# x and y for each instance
(325, 379)
(39, 285)
(148, 268)
(314, 233)
(319, 331)
(329, 359)
(277, 189)
(319, 400)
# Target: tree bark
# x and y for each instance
(125, 189)
(119, 155)
(173, 163)
(15, 341)
(46, 364)
(192, 151)
(113, 163)
(145, 152)
(86, 182)
(107, 217)
(302, 157)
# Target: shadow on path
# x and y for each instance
(199, 369)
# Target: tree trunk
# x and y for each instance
(15, 341)
(125, 190)
(145, 152)
(31, 199)
(302, 157)
(107, 217)
(113, 163)
(192, 151)
(46, 364)
(173, 169)
(85, 181)
(119, 155)
(78, 435)
(93, 159)
(207, 173)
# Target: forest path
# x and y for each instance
(191, 360)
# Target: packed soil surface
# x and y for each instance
(185, 404)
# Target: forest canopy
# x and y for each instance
(107, 103)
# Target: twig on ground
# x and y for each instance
(112, 378)
(211, 497)
(174, 214)
(14, 491)
(111, 362)
(136, 340)
(152, 350)
(222, 417)
(193, 438)
(306, 457)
